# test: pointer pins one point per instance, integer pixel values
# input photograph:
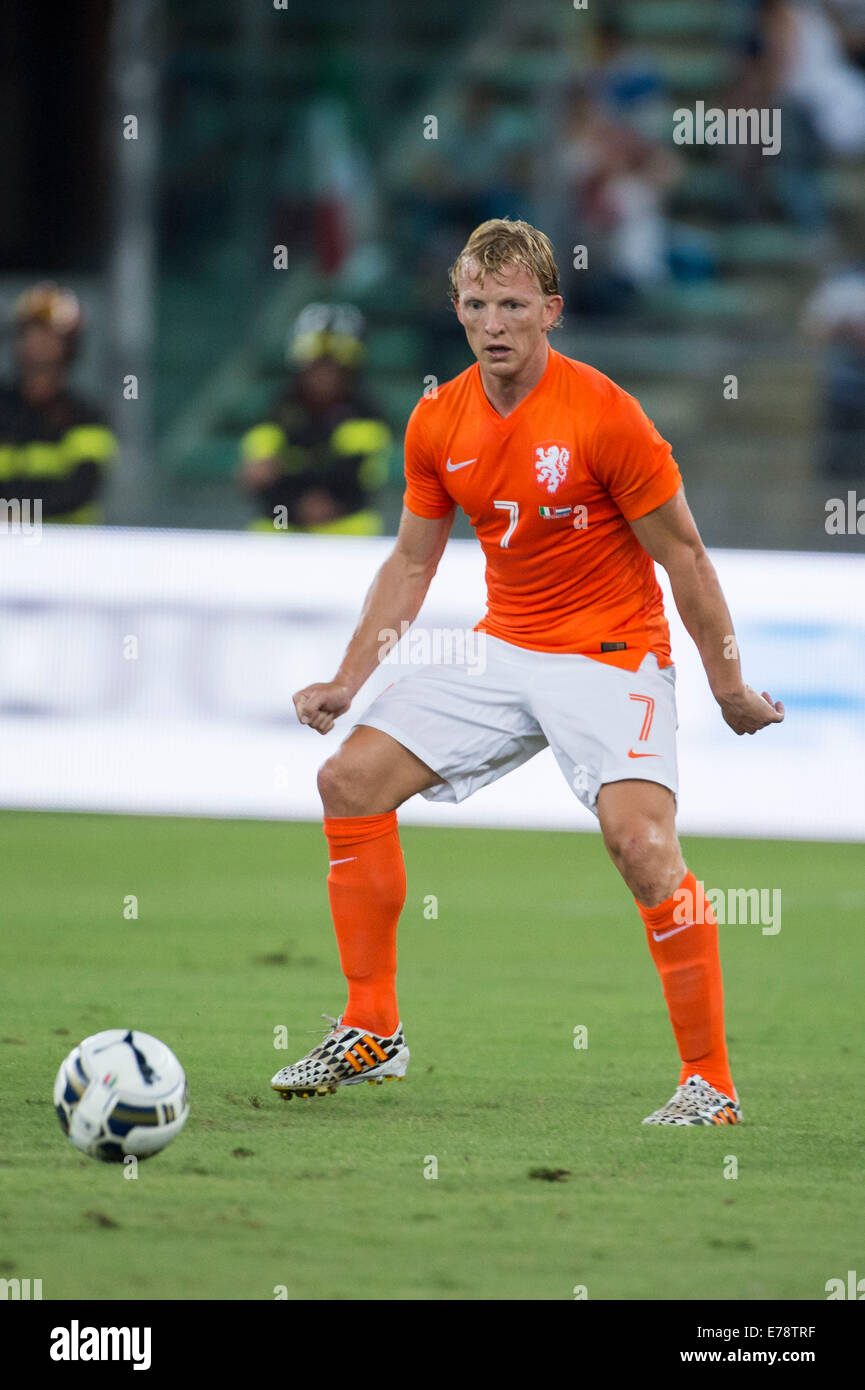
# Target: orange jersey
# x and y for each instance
(549, 491)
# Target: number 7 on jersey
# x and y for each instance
(514, 509)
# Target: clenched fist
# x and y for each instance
(320, 705)
(746, 711)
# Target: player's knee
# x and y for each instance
(340, 787)
(648, 859)
(642, 851)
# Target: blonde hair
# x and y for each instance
(500, 242)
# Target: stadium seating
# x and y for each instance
(737, 315)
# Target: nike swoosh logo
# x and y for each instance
(662, 936)
(452, 467)
(331, 862)
(632, 754)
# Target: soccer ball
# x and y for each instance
(121, 1092)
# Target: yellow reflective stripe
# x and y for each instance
(365, 523)
(91, 514)
(370, 437)
(263, 442)
(87, 443)
(40, 460)
(360, 437)
(345, 349)
(373, 471)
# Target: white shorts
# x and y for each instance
(473, 725)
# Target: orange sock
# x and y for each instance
(683, 939)
(366, 885)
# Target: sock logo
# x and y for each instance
(662, 935)
(331, 862)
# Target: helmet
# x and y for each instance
(54, 306)
(327, 330)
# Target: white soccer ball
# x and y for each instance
(121, 1092)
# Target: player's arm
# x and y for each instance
(669, 534)
(395, 596)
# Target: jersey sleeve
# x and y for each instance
(632, 460)
(424, 494)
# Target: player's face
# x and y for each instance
(506, 318)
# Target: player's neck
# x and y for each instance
(505, 395)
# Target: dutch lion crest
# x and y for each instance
(551, 465)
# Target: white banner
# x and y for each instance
(152, 672)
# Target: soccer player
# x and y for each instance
(573, 494)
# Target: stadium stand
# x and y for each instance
(740, 272)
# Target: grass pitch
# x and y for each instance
(328, 1199)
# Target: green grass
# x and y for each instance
(535, 934)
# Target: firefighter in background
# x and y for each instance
(54, 445)
(317, 461)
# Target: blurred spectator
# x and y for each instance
(54, 446)
(477, 166)
(849, 15)
(618, 179)
(795, 59)
(834, 318)
(815, 71)
(626, 81)
(315, 463)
